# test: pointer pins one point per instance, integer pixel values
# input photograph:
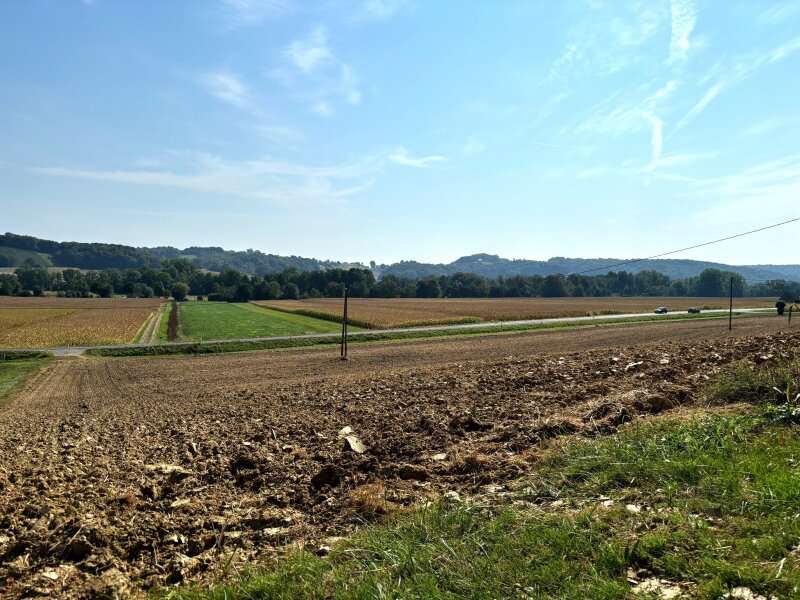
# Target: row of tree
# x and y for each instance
(179, 278)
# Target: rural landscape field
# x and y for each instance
(46, 322)
(400, 300)
(217, 321)
(382, 313)
(106, 486)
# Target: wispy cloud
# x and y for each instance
(316, 76)
(758, 180)
(610, 39)
(657, 167)
(572, 53)
(401, 157)
(228, 87)
(264, 179)
(738, 196)
(675, 160)
(772, 124)
(727, 74)
(684, 17)
(253, 12)
(701, 105)
(656, 139)
(322, 108)
(594, 172)
(473, 146)
(779, 13)
(380, 9)
(625, 111)
(309, 52)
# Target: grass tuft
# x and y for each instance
(745, 382)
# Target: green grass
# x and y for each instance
(718, 498)
(163, 326)
(222, 320)
(373, 337)
(15, 372)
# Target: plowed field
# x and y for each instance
(117, 475)
(409, 312)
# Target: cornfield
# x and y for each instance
(408, 312)
(45, 322)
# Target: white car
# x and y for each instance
(661, 310)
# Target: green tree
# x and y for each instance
(554, 286)
(9, 285)
(428, 288)
(291, 291)
(274, 290)
(179, 291)
(244, 292)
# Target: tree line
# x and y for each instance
(179, 278)
(17, 249)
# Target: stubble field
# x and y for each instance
(117, 475)
(382, 313)
(47, 322)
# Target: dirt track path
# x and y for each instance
(154, 470)
(150, 334)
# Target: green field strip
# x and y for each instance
(221, 320)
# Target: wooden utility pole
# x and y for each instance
(730, 311)
(344, 328)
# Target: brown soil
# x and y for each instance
(118, 475)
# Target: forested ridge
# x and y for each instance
(18, 250)
(180, 277)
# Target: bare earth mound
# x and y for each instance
(131, 473)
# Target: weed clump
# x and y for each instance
(744, 382)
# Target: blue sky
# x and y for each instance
(390, 129)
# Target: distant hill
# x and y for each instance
(16, 250)
(489, 265)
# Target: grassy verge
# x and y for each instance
(15, 372)
(699, 507)
(163, 325)
(386, 336)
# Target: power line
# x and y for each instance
(730, 237)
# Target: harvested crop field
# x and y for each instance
(47, 322)
(124, 474)
(408, 312)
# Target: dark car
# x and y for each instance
(693, 310)
(661, 310)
